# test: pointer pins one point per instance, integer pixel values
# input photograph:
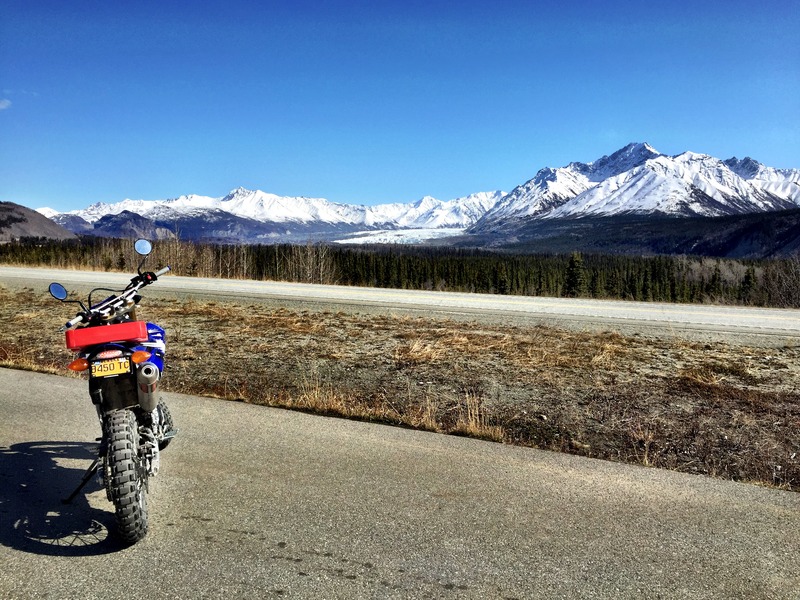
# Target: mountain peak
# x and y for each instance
(624, 159)
(690, 156)
(47, 212)
(746, 168)
(636, 149)
(239, 192)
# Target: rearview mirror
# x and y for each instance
(58, 291)
(143, 247)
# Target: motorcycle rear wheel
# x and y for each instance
(127, 484)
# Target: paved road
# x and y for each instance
(254, 502)
(730, 319)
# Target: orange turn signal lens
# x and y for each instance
(79, 364)
(140, 356)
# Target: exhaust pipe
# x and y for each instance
(147, 377)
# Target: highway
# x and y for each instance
(727, 319)
(253, 502)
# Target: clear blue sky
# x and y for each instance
(371, 102)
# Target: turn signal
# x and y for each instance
(79, 364)
(140, 356)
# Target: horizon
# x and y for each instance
(366, 104)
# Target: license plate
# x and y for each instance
(109, 368)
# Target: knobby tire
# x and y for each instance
(166, 424)
(127, 480)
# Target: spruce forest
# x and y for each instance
(774, 283)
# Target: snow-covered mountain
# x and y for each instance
(635, 180)
(300, 214)
(639, 180)
(551, 188)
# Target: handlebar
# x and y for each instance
(109, 307)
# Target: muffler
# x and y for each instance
(147, 377)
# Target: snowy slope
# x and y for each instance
(261, 206)
(551, 188)
(689, 184)
(780, 182)
(264, 207)
(639, 180)
(429, 213)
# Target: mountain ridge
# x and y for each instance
(635, 180)
(638, 179)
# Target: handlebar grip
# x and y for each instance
(160, 272)
(72, 322)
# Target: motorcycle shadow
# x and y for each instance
(34, 477)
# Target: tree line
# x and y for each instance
(653, 278)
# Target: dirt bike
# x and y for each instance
(125, 361)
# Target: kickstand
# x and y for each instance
(87, 476)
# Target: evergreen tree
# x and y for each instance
(748, 285)
(575, 279)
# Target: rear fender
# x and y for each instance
(114, 393)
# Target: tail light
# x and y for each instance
(140, 356)
(79, 364)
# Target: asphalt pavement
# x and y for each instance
(253, 502)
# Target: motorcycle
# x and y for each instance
(125, 361)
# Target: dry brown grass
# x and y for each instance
(474, 421)
(418, 352)
(716, 409)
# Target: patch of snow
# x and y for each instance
(47, 212)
